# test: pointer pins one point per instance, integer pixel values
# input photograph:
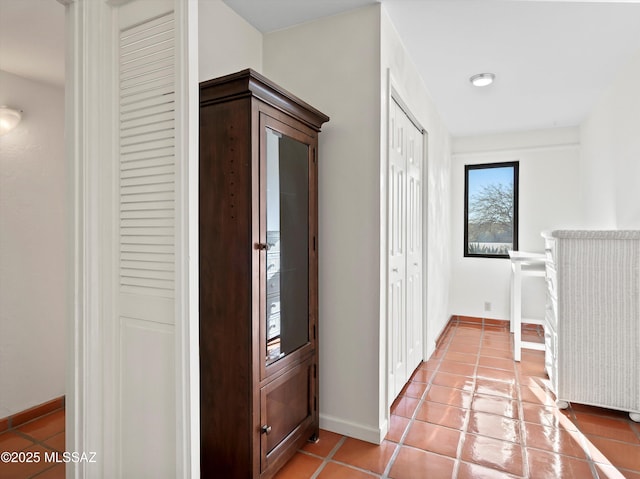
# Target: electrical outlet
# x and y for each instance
(487, 306)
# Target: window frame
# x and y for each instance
(516, 193)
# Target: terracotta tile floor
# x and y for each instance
(472, 412)
(43, 435)
(468, 412)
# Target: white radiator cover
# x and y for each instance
(597, 317)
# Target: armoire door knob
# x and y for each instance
(266, 429)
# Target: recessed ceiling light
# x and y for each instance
(482, 79)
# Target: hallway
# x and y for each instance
(468, 412)
(472, 412)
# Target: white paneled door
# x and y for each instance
(147, 241)
(414, 157)
(132, 122)
(405, 268)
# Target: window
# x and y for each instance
(490, 209)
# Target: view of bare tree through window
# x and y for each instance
(491, 199)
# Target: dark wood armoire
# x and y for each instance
(258, 204)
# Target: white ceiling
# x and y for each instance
(552, 59)
(32, 39)
(271, 15)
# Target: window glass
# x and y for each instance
(491, 209)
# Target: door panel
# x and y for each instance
(145, 343)
(397, 255)
(398, 336)
(286, 406)
(414, 247)
(405, 275)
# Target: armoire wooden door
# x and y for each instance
(404, 240)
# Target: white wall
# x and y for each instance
(611, 154)
(227, 42)
(593, 186)
(334, 64)
(32, 247)
(339, 65)
(549, 199)
(411, 88)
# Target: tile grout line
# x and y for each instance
(40, 473)
(35, 441)
(608, 438)
(457, 332)
(325, 460)
(392, 460)
(385, 473)
(584, 442)
(467, 417)
(635, 427)
(350, 466)
(511, 398)
(521, 421)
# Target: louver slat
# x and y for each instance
(147, 159)
(147, 111)
(139, 189)
(156, 127)
(128, 125)
(157, 153)
(141, 66)
(148, 258)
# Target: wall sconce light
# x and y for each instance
(9, 119)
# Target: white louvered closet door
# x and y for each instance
(404, 295)
(132, 122)
(145, 343)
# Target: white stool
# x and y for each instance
(523, 264)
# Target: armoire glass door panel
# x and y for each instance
(287, 265)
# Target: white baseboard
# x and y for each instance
(431, 347)
(355, 430)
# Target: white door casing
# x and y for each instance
(132, 121)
